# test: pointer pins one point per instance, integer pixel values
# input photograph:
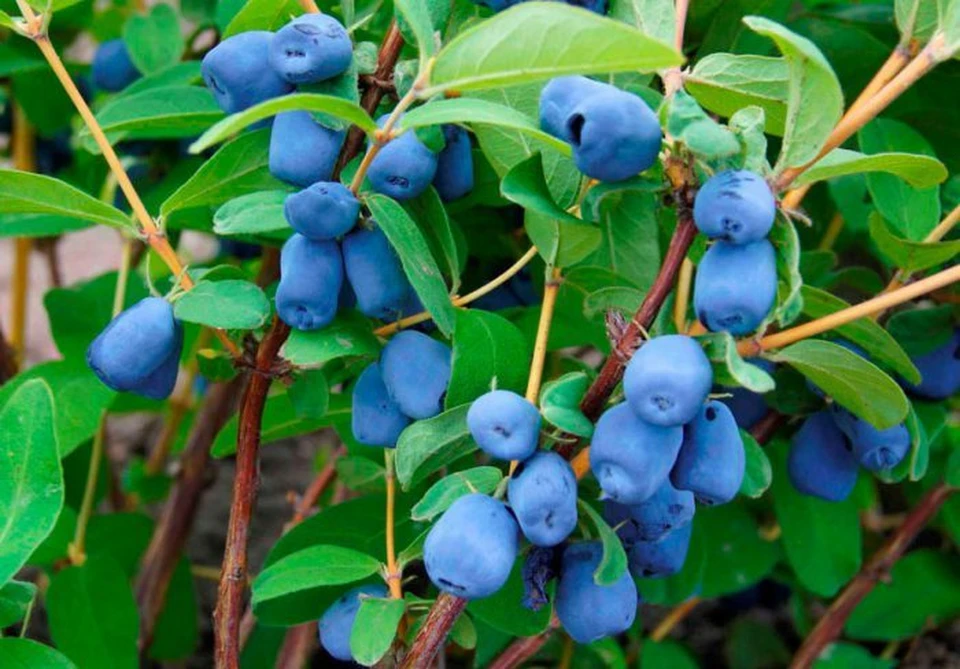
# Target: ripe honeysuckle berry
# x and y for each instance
(712, 461)
(543, 495)
(324, 210)
(311, 274)
(497, 5)
(661, 558)
(666, 510)
(237, 72)
(311, 48)
(940, 371)
(112, 69)
(820, 462)
(747, 406)
(736, 206)
(139, 351)
(376, 420)
(454, 177)
(336, 624)
(595, 6)
(589, 611)
(876, 450)
(505, 425)
(404, 166)
(559, 98)
(303, 152)
(470, 551)
(736, 286)
(630, 457)
(416, 371)
(668, 380)
(375, 273)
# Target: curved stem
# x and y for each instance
(394, 576)
(676, 616)
(943, 228)
(443, 614)
(833, 231)
(682, 302)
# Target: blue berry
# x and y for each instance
(376, 419)
(416, 371)
(559, 98)
(662, 558)
(310, 277)
(588, 611)
(543, 496)
(470, 551)
(630, 457)
(454, 177)
(237, 72)
(375, 273)
(940, 371)
(651, 519)
(504, 425)
(336, 624)
(876, 450)
(404, 166)
(711, 463)
(324, 210)
(311, 48)
(820, 462)
(139, 351)
(736, 206)
(668, 380)
(736, 286)
(112, 69)
(302, 151)
(747, 406)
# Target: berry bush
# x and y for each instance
(608, 313)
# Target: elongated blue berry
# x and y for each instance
(589, 611)
(735, 287)
(820, 462)
(311, 48)
(711, 462)
(302, 151)
(504, 424)
(311, 274)
(543, 496)
(736, 206)
(375, 273)
(416, 371)
(237, 72)
(667, 380)
(876, 450)
(336, 624)
(661, 558)
(667, 509)
(376, 419)
(322, 211)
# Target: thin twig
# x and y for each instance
(23, 148)
(394, 575)
(429, 640)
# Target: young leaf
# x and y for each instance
(613, 565)
(706, 138)
(525, 185)
(418, 264)
(361, 474)
(154, 41)
(431, 217)
(807, 125)
(253, 214)
(312, 567)
(758, 474)
(464, 633)
(785, 240)
(487, 350)
(725, 83)
(31, 481)
(654, 18)
(231, 305)
(15, 599)
(729, 369)
(92, 614)
(666, 653)
(29, 653)
(858, 385)
(531, 42)
(917, 170)
(261, 15)
(560, 403)
(348, 335)
(28, 193)
(450, 488)
(339, 107)
(417, 16)
(427, 445)
(375, 628)
(916, 19)
(908, 255)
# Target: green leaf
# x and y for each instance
(172, 112)
(617, 298)
(310, 394)
(488, 350)
(806, 126)
(231, 305)
(560, 403)
(758, 473)
(261, 15)
(531, 42)
(15, 600)
(6, 21)
(908, 255)
(786, 242)
(253, 214)
(431, 217)
(475, 111)
(31, 481)
(855, 383)
(449, 489)
(180, 74)
(505, 611)
(752, 644)
(348, 335)
(416, 15)
(375, 628)
(310, 568)
(154, 41)
(29, 654)
(821, 539)
(923, 589)
(427, 445)
(666, 654)
(92, 615)
(729, 369)
(924, 330)
(28, 193)
(912, 210)
(525, 185)
(916, 19)
(39, 225)
(341, 108)
(464, 633)
(748, 124)
(613, 564)
(238, 168)
(864, 332)
(735, 555)
(725, 83)
(706, 138)
(361, 474)
(177, 633)
(654, 18)
(840, 655)
(917, 170)
(418, 264)
(561, 244)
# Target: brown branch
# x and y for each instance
(831, 624)
(443, 614)
(765, 428)
(8, 360)
(521, 650)
(297, 646)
